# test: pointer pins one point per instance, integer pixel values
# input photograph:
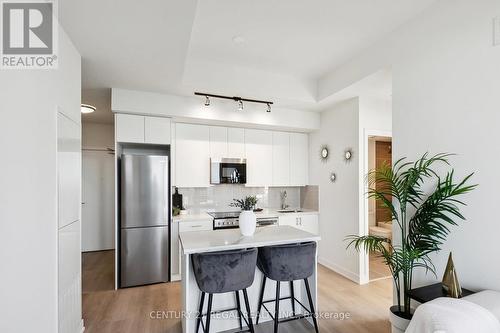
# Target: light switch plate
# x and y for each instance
(496, 31)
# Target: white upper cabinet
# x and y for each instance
(157, 130)
(281, 159)
(129, 128)
(259, 154)
(235, 143)
(218, 142)
(141, 129)
(192, 155)
(299, 159)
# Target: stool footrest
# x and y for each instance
(293, 317)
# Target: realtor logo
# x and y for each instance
(28, 34)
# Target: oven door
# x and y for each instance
(228, 171)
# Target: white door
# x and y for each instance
(98, 230)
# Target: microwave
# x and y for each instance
(228, 171)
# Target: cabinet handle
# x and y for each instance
(196, 226)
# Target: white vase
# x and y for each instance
(247, 222)
(399, 324)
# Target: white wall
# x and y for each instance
(342, 203)
(96, 136)
(372, 221)
(220, 112)
(446, 99)
(375, 117)
(339, 201)
(29, 100)
(446, 74)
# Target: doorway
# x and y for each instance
(379, 217)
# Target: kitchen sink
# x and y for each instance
(289, 211)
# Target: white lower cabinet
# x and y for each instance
(176, 251)
(306, 222)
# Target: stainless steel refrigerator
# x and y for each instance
(144, 216)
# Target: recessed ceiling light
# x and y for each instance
(85, 108)
(238, 39)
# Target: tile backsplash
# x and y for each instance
(219, 197)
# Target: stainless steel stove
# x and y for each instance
(230, 220)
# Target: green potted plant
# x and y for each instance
(247, 220)
(421, 217)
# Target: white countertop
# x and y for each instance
(262, 214)
(231, 239)
(192, 217)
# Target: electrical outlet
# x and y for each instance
(496, 31)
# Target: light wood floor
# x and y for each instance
(378, 269)
(128, 310)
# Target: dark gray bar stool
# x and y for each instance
(287, 263)
(223, 272)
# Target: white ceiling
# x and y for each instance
(187, 45)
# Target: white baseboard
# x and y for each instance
(340, 270)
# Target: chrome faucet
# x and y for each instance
(283, 197)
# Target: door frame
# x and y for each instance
(364, 263)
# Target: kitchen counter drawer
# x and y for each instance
(202, 225)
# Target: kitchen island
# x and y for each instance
(231, 239)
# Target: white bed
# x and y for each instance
(477, 313)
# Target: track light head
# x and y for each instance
(240, 105)
(268, 107)
(207, 101)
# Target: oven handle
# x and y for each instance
(267, 222)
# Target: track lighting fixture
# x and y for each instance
(237, 99)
